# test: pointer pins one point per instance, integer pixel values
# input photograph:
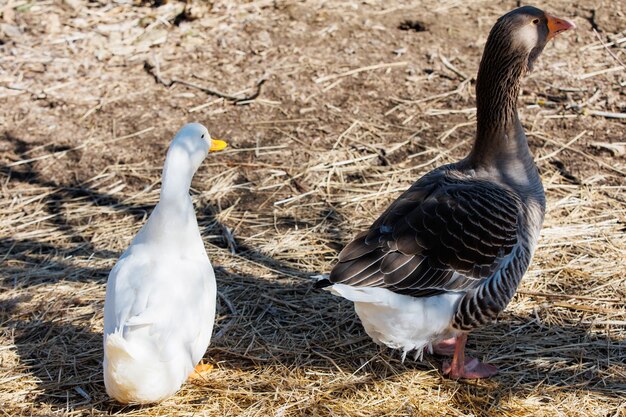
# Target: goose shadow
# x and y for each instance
(294, 327)
(327, 326)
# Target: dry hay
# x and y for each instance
(353, 110)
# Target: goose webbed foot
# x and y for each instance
(472, 368)
(466, 368)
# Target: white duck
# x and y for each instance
(161, 294)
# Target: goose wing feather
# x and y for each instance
(448, 232)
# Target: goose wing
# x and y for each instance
(448, 232)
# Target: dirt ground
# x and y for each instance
(359, 99)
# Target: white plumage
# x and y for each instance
(161, 294)
(401, 321)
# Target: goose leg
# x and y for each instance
(445, 347)
(470, 368)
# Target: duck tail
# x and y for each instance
(134, 374)
(117, 361)
(116, 348)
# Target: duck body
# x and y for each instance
(447, 256)
(160, 309)
(161, 294)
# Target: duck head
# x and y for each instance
(194, 140)
(188, 149)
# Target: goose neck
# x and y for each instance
(499, 133)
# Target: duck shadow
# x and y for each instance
(62, 359)
(65, 362)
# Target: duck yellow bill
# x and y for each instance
(217, 145)
(556, 26)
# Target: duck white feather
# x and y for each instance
(161, 294)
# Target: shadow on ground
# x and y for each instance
(291, 327)
(263, 323)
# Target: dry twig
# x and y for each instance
(154, 71)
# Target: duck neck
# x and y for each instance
(173, 222)
(177, 175)
(175, 208)
(499, 133)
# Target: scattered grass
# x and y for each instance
(311, 162)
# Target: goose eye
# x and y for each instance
(202, 136)
(536, 21)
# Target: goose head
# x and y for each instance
(513, 45)
(526, 31)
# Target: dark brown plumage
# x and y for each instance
(466, 229)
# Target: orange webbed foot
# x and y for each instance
(199, 372)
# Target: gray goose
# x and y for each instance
(447, 256)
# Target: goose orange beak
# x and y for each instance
(217, 145)
(556, 26)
